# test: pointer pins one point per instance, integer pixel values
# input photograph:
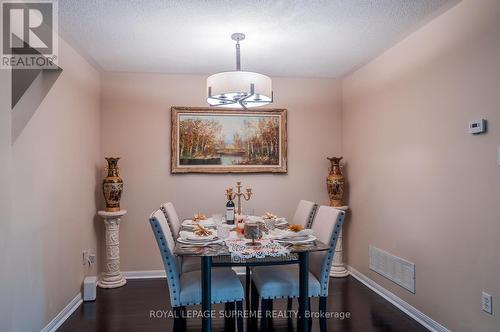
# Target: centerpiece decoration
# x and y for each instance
(238, 194)
(252, 232)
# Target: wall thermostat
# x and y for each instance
(477, 126)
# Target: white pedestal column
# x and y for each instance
(338, 269)
(112, 277)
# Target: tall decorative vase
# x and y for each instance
(335, 183)
(112, 186)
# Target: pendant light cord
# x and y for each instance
(238, 61)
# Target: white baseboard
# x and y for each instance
(63, 314)
(411, 311)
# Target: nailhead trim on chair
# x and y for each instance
(165, 213)
(281, 297)
(325, 278)
(312, 215)
(169, 222)
(166, 262)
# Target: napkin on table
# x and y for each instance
(192, 236)
(283, 234)
(206, 222)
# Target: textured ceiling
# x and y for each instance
(284, 38)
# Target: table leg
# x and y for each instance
(303, 290)
(206, 292)
(247, 287)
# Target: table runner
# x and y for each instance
(242, 249)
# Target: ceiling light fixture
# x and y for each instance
(240, 89)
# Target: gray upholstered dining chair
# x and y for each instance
(187, 263)
(275, 282)
(173, 220)
(185, 288)
(304, 214)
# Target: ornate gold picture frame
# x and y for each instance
(216, 140)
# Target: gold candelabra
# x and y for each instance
(238, 194)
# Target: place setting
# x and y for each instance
(201, 219)
(201, 231)
(270, 220)
(293, 235)
(278, 229)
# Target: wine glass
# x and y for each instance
(217, 218)
(223, 231)
(249, 212)
(270, 224)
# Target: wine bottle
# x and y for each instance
(230, 209)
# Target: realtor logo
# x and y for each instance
(28, 39)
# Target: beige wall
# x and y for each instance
(420, 186)
(52, 170)
(136, 127)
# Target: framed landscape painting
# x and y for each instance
(214, 140)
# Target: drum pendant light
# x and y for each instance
(239, 89)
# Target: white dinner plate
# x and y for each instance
(193, 227)
(192, 237)
(298, 240)
(199, 244)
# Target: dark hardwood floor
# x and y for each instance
(129, 309)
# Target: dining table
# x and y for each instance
(219, 255)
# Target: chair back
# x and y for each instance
(166, 245)
(326, 227)
(304, 214)
(172, 218)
